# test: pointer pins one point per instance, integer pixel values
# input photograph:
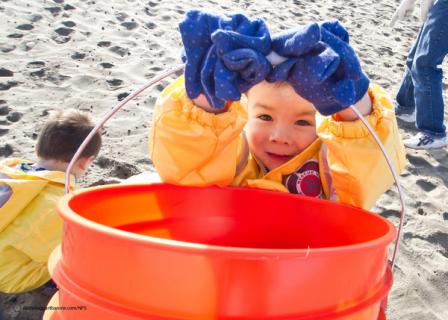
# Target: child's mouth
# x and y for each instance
(279, 157)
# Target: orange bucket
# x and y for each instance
(171, 252)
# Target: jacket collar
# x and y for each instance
(11, 168)
(292, 165)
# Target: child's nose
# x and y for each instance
(280, 135)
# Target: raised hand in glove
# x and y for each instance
(321, 66)
(234, 58)
(196, 31)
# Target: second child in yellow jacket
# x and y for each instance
(30, 226)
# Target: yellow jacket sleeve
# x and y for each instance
(190, 146)
(359, 172)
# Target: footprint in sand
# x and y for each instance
(418, 161)
(78, 56)
(104, 162)
(119, 170)
(426, 185)
(102, 182)
(120, 51)
(35, 17)
(25, 27)
(3, 131)
(4, 109)
(121, 16)
(61, 39)
(122, 96)
(124, 171)
(114, 83)
(69, 24)
(6, 150)
(69, 7)
(62, 35)
(104, 44)
(106, 65)
(8, 85)
(35, 64)
(54, 10)
(6, 73)
(159, 87)
(6, 47)
(15, 35)
(130, 25)
(387, 213)
(14, 116)
(438, 238)
(150, 12)
(62, 31)
(38, 73)
(150, 25)
(155, 70)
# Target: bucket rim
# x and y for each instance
(67, 213)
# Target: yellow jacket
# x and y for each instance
(190, 146)
(30, 227)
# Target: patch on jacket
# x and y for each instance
(306, 180)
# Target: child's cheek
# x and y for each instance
(307, 137)
(254, 133)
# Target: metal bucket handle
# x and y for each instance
(179, 68)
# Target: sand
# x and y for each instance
(90, 54)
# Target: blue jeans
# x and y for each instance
(421, 86)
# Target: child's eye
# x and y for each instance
(265, 117)
(303, 123)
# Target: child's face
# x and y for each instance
(281, 123)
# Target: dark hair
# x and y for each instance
(281, 83)
(63, 133)
(277, 84)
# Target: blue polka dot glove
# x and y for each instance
(321, 66)
(196, 31)
(224, 55)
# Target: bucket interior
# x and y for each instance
(231, 217)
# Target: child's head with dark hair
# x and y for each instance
(62, 135)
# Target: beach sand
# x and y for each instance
(90, 54)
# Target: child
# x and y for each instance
(30, 227)
(273, 138)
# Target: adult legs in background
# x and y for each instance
(405, 96)
(426, 72)
(421, 87)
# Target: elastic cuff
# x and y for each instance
(355, 129)
(192, 112)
